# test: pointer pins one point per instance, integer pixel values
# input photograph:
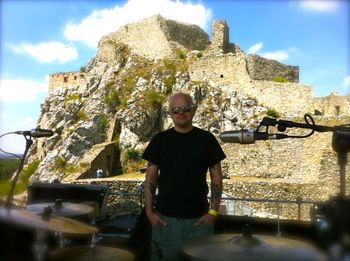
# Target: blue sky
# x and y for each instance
(43, 37)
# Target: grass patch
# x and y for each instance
(279, 79)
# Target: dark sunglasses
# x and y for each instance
(183, 109)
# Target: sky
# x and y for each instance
(41, 37)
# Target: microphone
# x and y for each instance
(248, 136)
(36, 133)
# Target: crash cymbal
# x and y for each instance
(85, 253)
(53, 223)
(65, 209)
(259, 247)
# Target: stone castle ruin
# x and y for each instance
(224, 63)
(119, 102)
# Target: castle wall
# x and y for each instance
(223, 69)
(156, 38)
(332, 105)
(289, 99)
(66, 80)
(260, 68)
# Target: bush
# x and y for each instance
(60, 163)
(81, 116)
(103, 125)
(132, 161)
(72, 97)
(153, 98)
(279, 79)
(132, 154)
(111, 100)
(273, 113)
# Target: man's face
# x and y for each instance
(181, 111)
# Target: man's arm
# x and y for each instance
(216, 186)
(150, 186)
(216, 191)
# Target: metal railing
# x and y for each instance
(135, 200)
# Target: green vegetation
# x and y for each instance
(273, 113)
(132, 161)
(8, 166)
(72, 97)
(112, 100)
(199, 55)
(82, 69)
(181, 54)
(279, 79)
(81, 116)
(23, 179)
(60, 164)
(103, 125)
(153, 99)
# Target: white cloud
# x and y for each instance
(101, 22)
(346, 82)
(319, 5)
(279, 55)
(255, 48)
(48, 52)
(19, 90)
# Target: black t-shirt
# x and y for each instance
(183, 160)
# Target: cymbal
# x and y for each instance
(65, 209)
(53, 223)
(258, 247)
(85, 253)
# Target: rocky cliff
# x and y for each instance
(119, 101)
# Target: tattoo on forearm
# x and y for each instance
(216, 192)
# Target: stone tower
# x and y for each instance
(220, 37)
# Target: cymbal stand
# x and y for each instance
(9, 198)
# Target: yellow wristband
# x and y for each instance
(213, 212)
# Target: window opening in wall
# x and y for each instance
(75, 77)
(221, 76)
(65, 79)
(337, 110)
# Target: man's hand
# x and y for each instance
(155, 219)
(207, 218)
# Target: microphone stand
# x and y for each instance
(341, 145)
(9, 198)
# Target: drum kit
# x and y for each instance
(53, 219)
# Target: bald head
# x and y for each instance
(180, 95)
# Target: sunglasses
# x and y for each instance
(183, 109)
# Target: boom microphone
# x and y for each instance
(36, 133)
(248, 136)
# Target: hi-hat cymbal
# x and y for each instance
(259, 247)
(85, 253)
(53, 223)
(65, 209)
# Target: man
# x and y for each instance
(182, 155)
